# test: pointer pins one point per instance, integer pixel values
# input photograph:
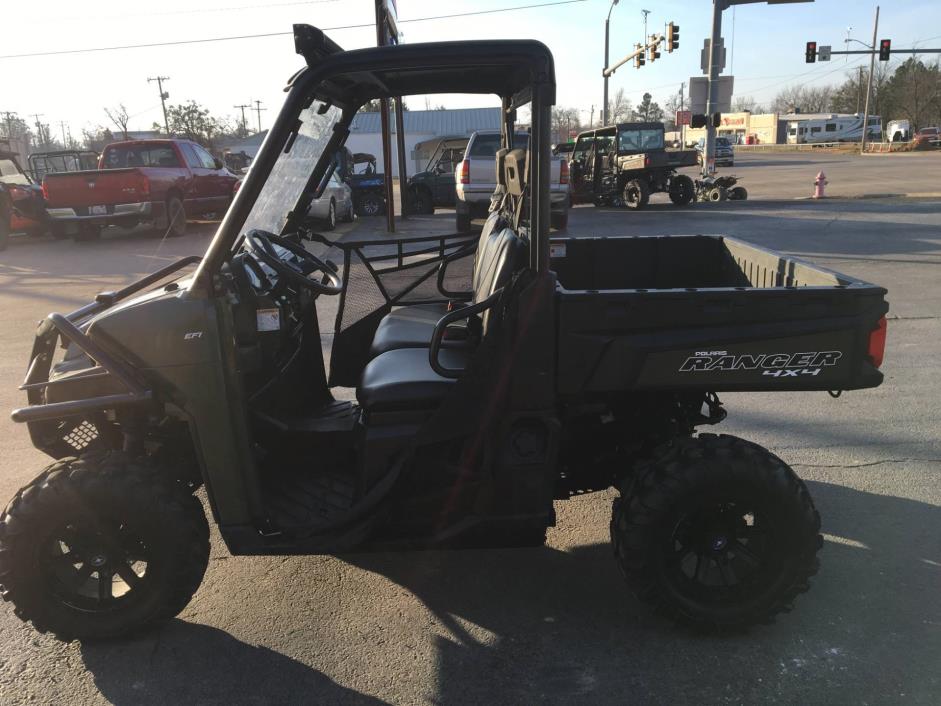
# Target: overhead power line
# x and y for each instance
(207, 40)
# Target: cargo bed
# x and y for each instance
(709, 313)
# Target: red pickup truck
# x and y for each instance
(161, 182)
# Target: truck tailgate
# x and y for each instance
(96, 188)
(710, 313)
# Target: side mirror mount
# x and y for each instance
(218, 163)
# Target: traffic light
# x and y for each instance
(698, 120)
(885, 48)
(639, 58)
(811, 55)
(716, 119)
(673, 37)
(653, 48)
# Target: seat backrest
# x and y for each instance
(502, 255)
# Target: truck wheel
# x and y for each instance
(370, 205)
(87, 233)
(738, 193)
(717, 532)
(682, 190)
(559, 221)
(463, 222)
(636, 194)
(331, 221)
(101, 546)
(176, 217)
(421, 202)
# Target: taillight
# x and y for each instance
(877, 343)
(45, 191)
(464, 176)
(144, 186)
(564, 173)
(646, 161)
(236, 186)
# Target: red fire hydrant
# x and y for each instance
(819, 183)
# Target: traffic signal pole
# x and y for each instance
(872, 67)
(709, 152)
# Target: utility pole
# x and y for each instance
(607, 25)
(646, 12)
(244, 122)
(591, 121)
(163, 99)
(872, 67)
(39, 130)
(859, 88)
(65, 141)
(709, 151)
(258, 110)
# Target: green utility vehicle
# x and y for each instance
(433, 186)
(622, 165)
(493, 374)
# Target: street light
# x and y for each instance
(717, 7)
(607, 23)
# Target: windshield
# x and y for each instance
(639, 140)
(291, 172)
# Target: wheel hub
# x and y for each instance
(98, 560)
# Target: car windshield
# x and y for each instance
(722, 142)
(639, 140)
(290, 174)
(9, 174)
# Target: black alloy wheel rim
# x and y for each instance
(721, 553)
(632, 195)
(95, 566)
(371, 206)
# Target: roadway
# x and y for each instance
(555, 625)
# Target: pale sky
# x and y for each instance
(766, 55)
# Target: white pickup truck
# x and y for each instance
(475, 180)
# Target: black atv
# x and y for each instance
(494, 374)
(359, 171)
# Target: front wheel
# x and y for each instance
(421, 202)
(560, 220)
(463, 222)
(370, 204)
(717, 532)
(738, 193)
(101, 546)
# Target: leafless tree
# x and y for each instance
(119, 117)
(744, 104)
(619, 108)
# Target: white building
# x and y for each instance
(420, 126)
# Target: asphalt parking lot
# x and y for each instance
(555, 625)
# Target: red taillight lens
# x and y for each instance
(564, 173)
(877, 343)
(236, 186)
(144, 186)
(45, 191)
(464, 177)
(646, 161)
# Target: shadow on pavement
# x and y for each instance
(186, 663)
(542, 625)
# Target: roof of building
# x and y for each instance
(452, 121)
(822, 116)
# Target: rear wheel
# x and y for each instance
(421, 201)
(101, 546)
(717, 193)
(176, 217)
(717, 532)
(636, 194)
(682, 190)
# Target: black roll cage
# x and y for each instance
(520, 71)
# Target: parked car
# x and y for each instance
(21, 202)
(928, 137)
(335, 203)
(476, 181)
(725, 152)
(434, 185)
(162, 182)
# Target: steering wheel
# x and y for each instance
(262, 245)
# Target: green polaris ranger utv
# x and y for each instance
(493, 374)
